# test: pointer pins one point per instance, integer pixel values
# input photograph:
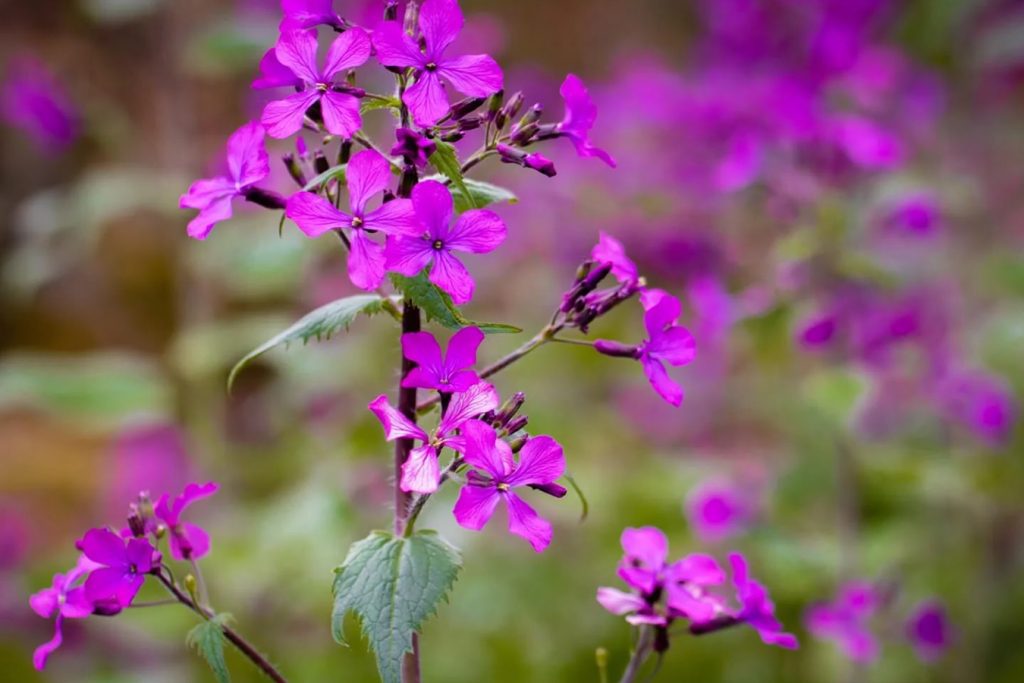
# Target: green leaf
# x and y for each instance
(328, 175)
(393, 585)
(481, 194)
(836, 392)
(208, 640)
(446, 161)
(319, 324)
(439, 307)
(375, 103)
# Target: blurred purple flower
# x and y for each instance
(440, 23)
(296, 51)
(477, 231)
(368, 174)
(718, 510)
(610, 250)
(496, 474)
(247, 164)
(147, 457)
(34, 101)
(756, 607)
(645, 558)
(916, 214)
(845, 620)
(187, 540)
(124, 564)
(580, 115)
(302, 14)
(929, 630)
(65, 598)
(982, 403)
(449, 374)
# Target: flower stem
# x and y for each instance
(643, 649)
(243, 646)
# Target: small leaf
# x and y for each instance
(482, 194)
(446, 161)
(393, 585)
(320, 324)
(374, 103)
(328, 175)
(439, 307)
(208, 640)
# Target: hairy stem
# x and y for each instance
(243, 646)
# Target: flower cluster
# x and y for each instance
(662, 592)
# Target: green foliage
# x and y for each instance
(374, 103)
(439, 307)
(319, 324)
(393, 584)
(207, 639)
(446, 161)
(325, 177)
(837, 392)
(481, 194)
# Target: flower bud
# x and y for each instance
(540, 163)
(509, 408)
(616, 349)
(494, 104)
(465, 107)
(320, 163)
(585, 285)
(192, 588)
(601, 657)
(517, 443)
(516, 424)
(510, 110)
(453, 136)
(413, 147)
(265, 198)
(552, 489)
(136, 524)
(468, 124)
(345, 152)
(391, 10)
(660, 639)
(294, 169)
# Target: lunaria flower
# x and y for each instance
(450, 373)
(580, 115)
(496, 474)
(756, 606)
(846, 619)
(248, 164)
(187, 540)
(421, 472)
(610, 250)
(300, 14)
(440, 24)
(368, 174)
(929, 630)
(35, 102)
(717, 510)
(64, 599)
(123, 565)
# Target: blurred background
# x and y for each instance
(834, 188)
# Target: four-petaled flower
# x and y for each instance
(497, 473)
(296, 51)
(447, 374)
(124, 564)
(440, 23)
(65, 598)
(580, 115)
(421, 472)
(845, 620)
(247, 165)
(368, 173)
(476, 231)
(187, 540)
(610, 250)
(756, 607)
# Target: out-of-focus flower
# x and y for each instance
(980, 402)
(368, 174)
(477, 231)
(440, 24)
(496, 474)
(188, 541)
(929, 631)
(718, 510)
(610, 250)
(124, 564)
(448, 374)
(756, 607)
(64, 599)
(916, 214)
(152, 456)
(35, 102)
(846, 621)
(580, 115)
(248, 164)
(301, 14)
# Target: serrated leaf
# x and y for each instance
(446, 161)
(393, 584)
(375, 103)
(328, 175)
(207, 639)
(319, 324)
(439, 307)
(481, 193)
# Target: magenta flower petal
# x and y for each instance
(473, 75)
(314, 215)
(477, 231)
(462, 348)
(110, 583)
(396, 425)
(397, 217)
(757, 609)
(485, 451)
(619, 602)
(341, 114)
(247, 154)
(663, 311)
(299, 14)
(476, 400)
(191, 541)
(423, 349)
(408, 255)
(103, 546)
(274, 74)
(700, 569)
(580, 115)
(475, 506)
(283, 118)
(296, 50)
(426, 99)
(666, 387)
(139, 554)
(675, 346)
(395, 47)
(368, 174)
(421, 471)
(42, 653)
(524, 521)
(434, 206)
(452, 277)
(540, 462)
(213, 199)
(440, 22)
(610, 250)
(349, 50)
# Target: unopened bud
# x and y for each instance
(551, 488)
(453, 136)
(391, 10)
(510, 110)
(509, 408)
(585, 285)
(294, 169)
(137, 525)
(192, 588)
(494, 104)
(540, 163)
(465, 107)
(616, 349)
(320, 164)
(265, 198)
(517, 443)
(601, 657)
(516, 424)
(345, 152)
(468, 124)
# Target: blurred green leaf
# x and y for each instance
(481, 194)
(439, 307)
(320, 324)
(446, 161)
(207, 639)
(374, 103)
(393, 585)
(836, 392)
(116, 11)
(328, 175)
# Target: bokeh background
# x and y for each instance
(834, 187)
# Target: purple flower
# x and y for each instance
(477, 231)
(188, 541)
(916, 214)
(756, 607)
(35, 102)
(580, 115)
(63, 599)
(645, 557)
(929, 630)
(124, 564)
(421, 471)
(247, 165)
(495, 476)
(686, 584)
(845, 620)
(440, 24)
(368, 174)
(610, 250)
(667, 342)
(980, 402)
(448, 374)
(413, 147)
(296, 51)
(717, 510)
(300, 14)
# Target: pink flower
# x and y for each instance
(845, 620)
(449, 374)
(717, 510)
(440, 24)
(496, 474)
(421, 471)
(63, 599)
(478, 231)
(35, 102)
(124, 564)
(757, 608)
(296, 52)
(929, 631)
(300, 14)
(368, 174)
(610, 250)
(580, 115)
(247, 164)
(187, 540)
